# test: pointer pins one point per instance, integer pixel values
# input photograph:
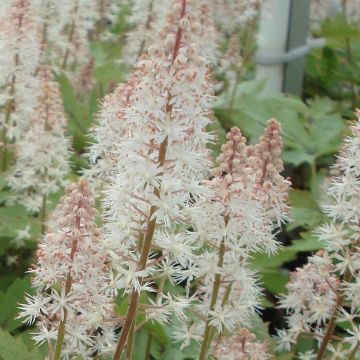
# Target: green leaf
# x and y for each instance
(337, 30)
(9, 301)
(220, 135)
(121, 305)
(12, 348)
(297, 157)
(79, 118)
(14, 218)
(26, 338)
(157, 330)
(140, 344)
(308, 242)
(3, 182)
(261, 330)
(284, 255)
(173, 354)
(275, 280)
(304, 210)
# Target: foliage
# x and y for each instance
(312, 130)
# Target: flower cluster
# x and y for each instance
(146, 19)
(311, 298)
(325, 292)
(232, 62)
(247, 206)
(42, 153)
(112, 124)
(232, 15)
(66, 26)
(164, 143)
(109, 131)
(161, 158)
(19, 58)
(241, 346)
(71, 278)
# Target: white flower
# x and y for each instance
(354, 337)
(285, 340)
(62, 302)
(35, 306)
(185, 333)
(11, 259)
(222, 317)
(308, 355)
(44, 335)
(338, 352)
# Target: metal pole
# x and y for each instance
(272, 41)
(297, 37)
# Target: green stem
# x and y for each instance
(150, 337)
(352, 85)
(141, 265)
(68, 285)
(43, 215)
(355, 350)
(313, 177)
(9, 110)
(150, 229)
(215, 292)
(130, 341)
(147, 28)
(148, 347)
(332, 322)
(61, 329)
(227, 295)
(349, 56)
(70, 39)
(233, 94)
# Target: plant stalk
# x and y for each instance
(215, 292)
(68, 285)
(43, 215)
(355, 350)
(141, 265)
(150, 337)
(134, 299)
(332, 322)
(130, 341)
(148, 347)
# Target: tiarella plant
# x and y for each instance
(112, 124)
(324, 294)
(160, 162)
(108, 132)
(72, 305)
(19, 58)
(246, 209)
(42, 153)
(147, 17)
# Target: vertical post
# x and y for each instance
(297, 37)
(273, 36)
